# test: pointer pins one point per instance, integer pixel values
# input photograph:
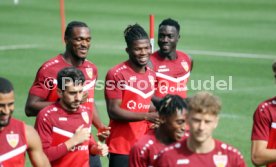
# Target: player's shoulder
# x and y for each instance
(119, 68)
(14, 121)
(228, 149)
(49, 111)
(52, 62)
(147, 139)
(265, 105)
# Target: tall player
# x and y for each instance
(64, 127)
(172, 66)
(263, 150)
(172, 112)
(128, 91)
(44, 89)
(16, 137)
(200, 148)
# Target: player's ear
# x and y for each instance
(217, 121)
(127, 50)
(59, 92)
(162, 119)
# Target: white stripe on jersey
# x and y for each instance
(139, 92)
(172, 78)
(13, 153)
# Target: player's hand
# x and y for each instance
(81, 135)
(152, 117)
(99, 149)
(103, 133)
(84, 97)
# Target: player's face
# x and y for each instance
(79, 43)
(6, 108)
(167, 39)
(139, 52)
(71, 97)
(175, 125)
(201, 126)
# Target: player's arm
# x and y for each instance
(103, 131)
(260, 155)
(115, 112)
(35, 152)
(34, 104)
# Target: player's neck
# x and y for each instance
(201, 147)
(162, 137)
(70, 59)
(136, 68)
(66, 108)
(169, 56)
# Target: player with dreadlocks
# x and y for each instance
(129, 87)
(172, 111)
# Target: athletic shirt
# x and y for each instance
(55, 126)
(223, 155)
(135, 90)
(13, 144)
(264, 124)
(45, 84)
(171, 75)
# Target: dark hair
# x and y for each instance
(170, 22)
(170, 104)
(70, 74)
(71, 26)
(133, 33)
(5, 86)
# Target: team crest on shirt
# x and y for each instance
(185, 65)
(220, 160)
(89, 72)
(85, 117)
(12, 139)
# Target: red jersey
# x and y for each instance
(264, 124)
(171, 75)
(146, 149)
(135, 90)
(45, 84)
(180, 155)
(13, 144)
(55, 126)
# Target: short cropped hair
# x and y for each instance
(170, 22)
(133, 33)
(205, 103)
(71, 26)
(170, 105)
(70, 74)
(5, 86)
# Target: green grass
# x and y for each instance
(240, 26)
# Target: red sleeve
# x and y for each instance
(136, 159)
(113, 86)
(236, 158)
(38, 88)
(44, 128)
(261, 124)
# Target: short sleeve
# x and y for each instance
(261, 124)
